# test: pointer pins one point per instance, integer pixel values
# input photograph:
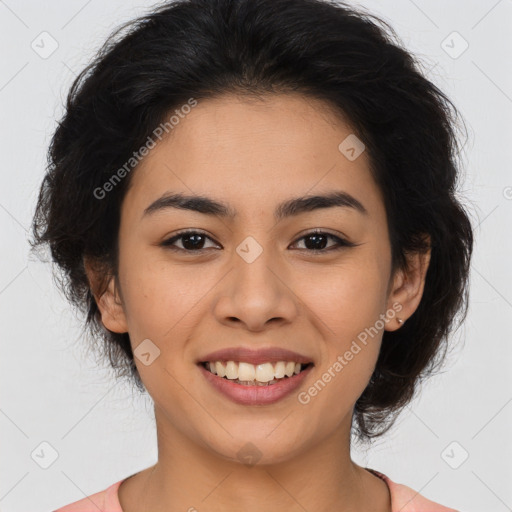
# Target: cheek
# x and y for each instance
(161, 299)
(347, 301)
(347, 312)
(346, 297)
(161, 305)
(146, 296)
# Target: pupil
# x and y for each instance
(316, 237)
(195, 245)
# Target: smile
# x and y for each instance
(249, 384)
(254, 375)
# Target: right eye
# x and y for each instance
(192, 241)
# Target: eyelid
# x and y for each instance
(167, 243)
(341, 240)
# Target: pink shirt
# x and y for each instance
(403, 499)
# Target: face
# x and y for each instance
(255, 280)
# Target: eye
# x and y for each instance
(192, 241)
(317, 241)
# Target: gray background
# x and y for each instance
(53, 392)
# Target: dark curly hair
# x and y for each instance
(350, 59)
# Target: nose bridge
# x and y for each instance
(252, 263)
(256, 291)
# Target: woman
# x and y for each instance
(254, 203)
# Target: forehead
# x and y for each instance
(251, 152)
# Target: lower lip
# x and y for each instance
(255, 395)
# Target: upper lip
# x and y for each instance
(255, 356)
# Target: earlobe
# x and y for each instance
(107, 298)
(408, 287)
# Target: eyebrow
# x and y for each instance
(288, 208)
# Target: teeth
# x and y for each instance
(220, 369)
(289, 369)
(250, 373)
(246, 371)
(231, 369)
(279, 370)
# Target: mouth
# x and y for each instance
(247, 374)
(255, 384)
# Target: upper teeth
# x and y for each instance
(261, 372)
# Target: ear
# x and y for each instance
(107, 297)
(408, 285)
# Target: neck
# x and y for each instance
(191, 476)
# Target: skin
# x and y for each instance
(253, 155)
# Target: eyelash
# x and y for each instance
(342, 243)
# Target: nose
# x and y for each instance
(256, 293)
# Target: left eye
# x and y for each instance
(318, 238)
(193, 241)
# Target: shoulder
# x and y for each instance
(405, 499)
(106, 500)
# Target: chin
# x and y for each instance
(260, 450)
